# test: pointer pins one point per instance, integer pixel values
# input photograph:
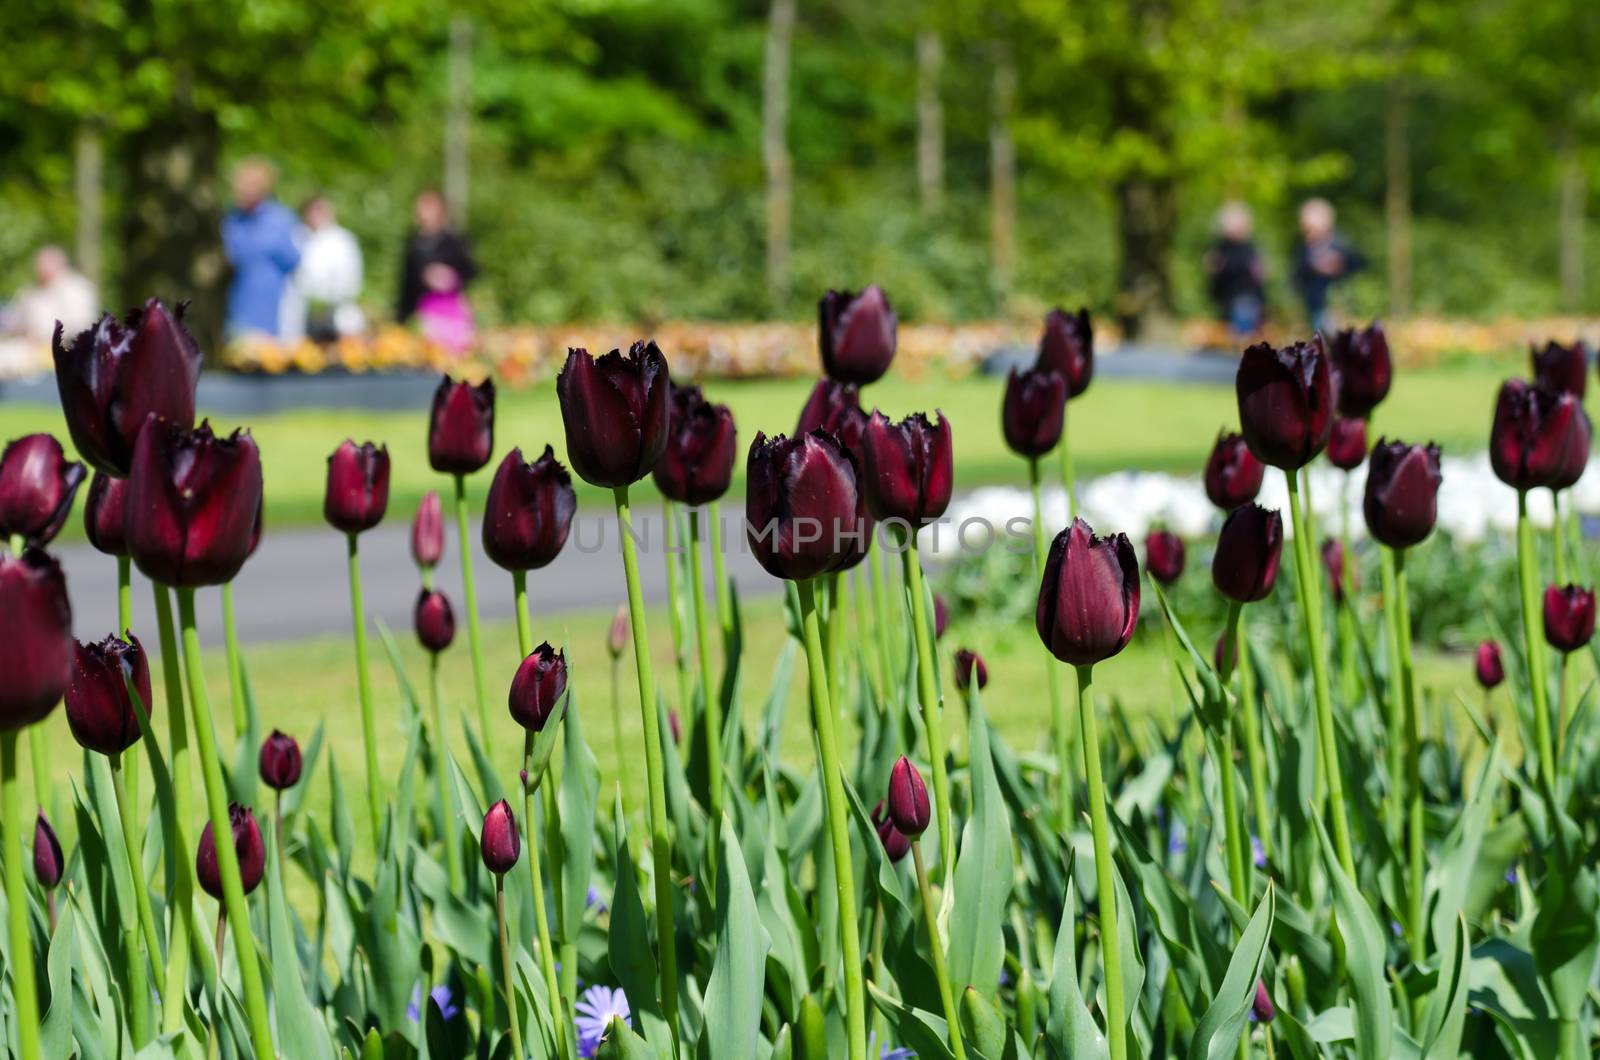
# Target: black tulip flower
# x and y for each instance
(1564, 369)
(103, 518)
(616, 412)
(857, 334)
(1262, 1008)
(1164, 556)
(802, 505)
(280, 761)
(1568, 617)
(1089, 596)
(461, 426)
(37, 484)
(528, 512)
(357, 494)
(941, 616)
(908, 468)
(35, 638)
(831, 403)
(247, 845)
(427, 532)
(1285, 402)
(1487, 665)
(538, 686)
(1033, 411)
(895, 844)
(1402, 495)
(1576, 461)
(1249, 548)
(100, 710)
(1533, 428)
(500, 841)
(1347, 443)
(970, 667)
(697, 463)
(1233, 474)
(1333, 563)
(1067, 348)
(434, 620)
(1362, 369)
(909, 809)
(113, 376)
(48, 862)
(193, 504)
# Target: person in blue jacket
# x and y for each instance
(258, 237)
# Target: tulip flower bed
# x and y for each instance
(1301, 854)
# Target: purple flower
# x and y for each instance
(885, 1051)
(1177, 841)
(1258, 853)
(593, 899)
(441, 998)
(596, 1008)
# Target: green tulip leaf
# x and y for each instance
(1217, 1036)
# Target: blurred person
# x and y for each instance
(1321, 260)
(434, 276)
(1236, 271)
(258, 237)
(320, 300)
(58, 293)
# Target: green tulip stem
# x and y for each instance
(519, 590)
(1232, 823)
(866, 624)
(124, 595)
(233, 897)
(230, 633)
(1349, 679)
(369, 732)
(506, 966)
(1558, 543)
(680, 648)
(175, 821)
(541, 915)
(447, 802)
(930, 918)
(660, 837)
(1105, 888)
(1058, 706)
(834, 800)
(469, 592)
(932, 708)
(1066, 467)
(39, 757)
(1309, 590)
(713, 719)
(1255, 751)
(833, 629)
(1395, 722)
(1533, 642)
(887, 620)
(1415, 836)
(141, 892)
(719, 576)
(26, 1000)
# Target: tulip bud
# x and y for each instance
(941, 616)
(1233, 474)
(1347, 443)
(1402, 494)
(697, 463)
(828, 408)
(427, 532)
(540, 681)
(895, 844)
(99, 708)
(802, 506)
(617, 635)
(1568, 617)
(908, 799)
(616, 413)
(103, 517)
(461, 426)
(1577, 457)
(857, 334)
(113, 376)
(528, 512)
(193, 504)
(1285, 402)
(35, 638)
(1089, 597)
(1164, 555)
(1564, 369)
(280, 762)
(1487, 666)
(1261, 1008)
(908, 470)
(969, 664)
(434, 620)
(1333, 562)
(1249, 547)
(1225, 655)
(1533, 428)
(247, 845)
(37, 484)
(1033, 411)
(1362, 369)
(48, 863)
(501, 842)
(1067, 349)
(358, 487)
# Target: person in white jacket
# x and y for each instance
(321, 302)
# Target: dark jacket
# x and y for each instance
(1235, 269)
(1314, 284)
(445, 248)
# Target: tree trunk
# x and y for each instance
(930, 121)
(88, 181)
(1002, 176)
(1397, 196)
(457, 118)
(1574, 192)
(775, 144)
(1147, 212)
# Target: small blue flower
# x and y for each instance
(884, 1052)
(594, 900)
(441, 998)
(1177, 843)
(1511, 875)
(596, 1007)
(1258, 853)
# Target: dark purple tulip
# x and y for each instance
(697, 463)
(941, 616)
(435, 621)
(1248, 550)
(540, 681)
(280, 762)
(908, 468)
(802, 506)
(103, 518)
(501, 842)
(1164, 556)
(1067, 349)
(1402, 495)
(1347, 443)
(1285, 402)
(908, 799)
(193, 504)
(35, 638)
(252, 853)
(1233, 474)
(1562, 368)
(895, 845)
(969, 665)
(1487, 666)
(113, 376)
(528, 512)
(1533, 428)
(1034, 411)
(1568, 617)
(99, 709)
(1362, 369)
(37, 484)
(831, 403)
(857, 334)
(1577, 457)
(358, 486)
(48, 862)
(1333, 563)
(616, 413)
(461, 426)
(1262, 1008)
(1089, 597)
(427, 532)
